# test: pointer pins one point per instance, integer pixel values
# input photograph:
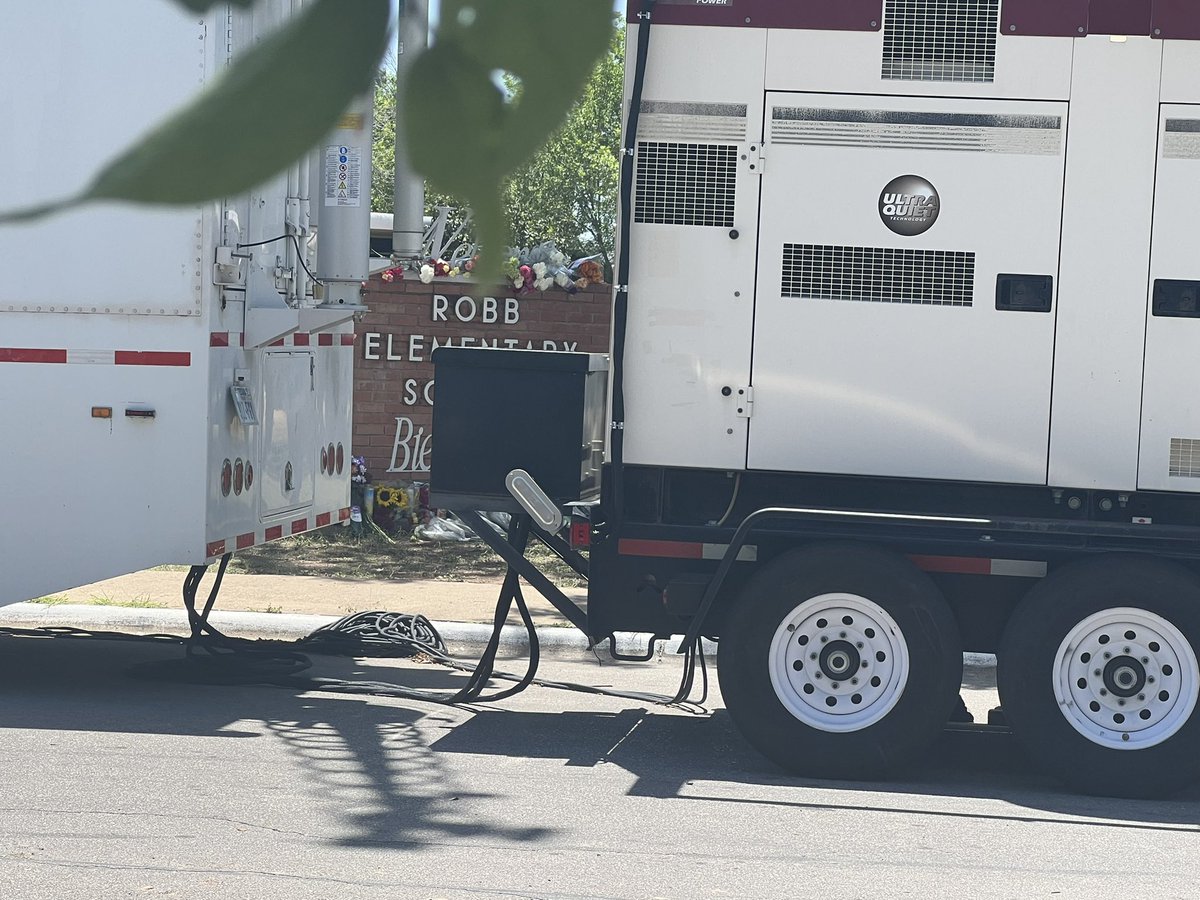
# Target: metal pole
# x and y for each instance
(408, 224)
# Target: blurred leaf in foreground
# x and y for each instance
(269, 109)
(549, 47)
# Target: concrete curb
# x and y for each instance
(462, 638)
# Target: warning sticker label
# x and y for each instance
(343, 176)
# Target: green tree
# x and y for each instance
(566, 193)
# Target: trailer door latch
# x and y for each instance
(745, 402)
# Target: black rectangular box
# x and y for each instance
(499, 410)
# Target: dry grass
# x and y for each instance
(336, 553)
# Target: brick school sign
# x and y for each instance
(393, 373)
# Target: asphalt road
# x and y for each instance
(116, 786)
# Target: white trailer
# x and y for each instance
(174, 383)
(902, 367)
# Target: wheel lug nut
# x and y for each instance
(1126, 651)
(1151, 679)
(824, 640)
(1097, 673)
(859, 645)
(1103, 692)
(834, 685)
(1145, 660)
(1120, 703)
(1107, 655)
(1142, 697)
(854, 681)
(842, 635)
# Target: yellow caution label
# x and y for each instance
(352, 122)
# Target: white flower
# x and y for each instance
(539, 269)
(426, 274)
(562, 279)
(543, 284)
(558, 259)
(518, 282)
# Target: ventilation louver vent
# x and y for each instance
(1185, 458)
(1029, 135)
(878, 275)
(685, 184)
(675, 121)
(940, 40)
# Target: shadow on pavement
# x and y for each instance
(384, 770)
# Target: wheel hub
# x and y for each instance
(1126, 678)
(839, 662)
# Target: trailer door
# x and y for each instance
(1170, 441)
(290, 445)
(908, 260)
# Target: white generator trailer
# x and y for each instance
(175, 385)
(905, 327)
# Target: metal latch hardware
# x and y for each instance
(745, 402)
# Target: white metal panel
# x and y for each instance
(1170, 405)
(1108, 211)
(851, 63)
(948, 389)
(691, 286)
(84, 88)
(1181, 62)
(290, 450)
(88, 498)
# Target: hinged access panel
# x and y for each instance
(1169, 458)
(885, 341)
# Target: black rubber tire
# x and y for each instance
(1025, 674)
(909, 597)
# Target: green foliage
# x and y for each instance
(550, 46)
(238, 133)
(383, 143)
(568, 192)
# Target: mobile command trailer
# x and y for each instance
(902, 366)
(170, 388)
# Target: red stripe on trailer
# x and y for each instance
(664, 549)
(216, 548)
(278, 343)
(218, 339)
(324, 519)
(23, 355)
(325, 340)
(151, 358)
(274, 533)
(347, 340)
(343, 514)
(299, 526)
(954, 565)
(245, 540)
(301, 339)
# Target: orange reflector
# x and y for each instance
(101, 412)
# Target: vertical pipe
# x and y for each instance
(344, 241)
(408, 224)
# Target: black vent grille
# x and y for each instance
(940, 40)
(878, 275)
(685, 184)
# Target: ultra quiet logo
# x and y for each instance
(909, 205)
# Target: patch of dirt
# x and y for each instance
(336, 552)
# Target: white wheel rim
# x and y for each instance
(839, 662)
(1126, 679)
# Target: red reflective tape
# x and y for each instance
(301, 340)
(151, 358)
(299, 526)
(216, 548)
(954, 565)
(325, 340)
(274, 533)
(324, 519)
(218, 339)
(245, 540)
(343, 514)
(347, 340)
(278, 343)
(19, 355)
(666, 549)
